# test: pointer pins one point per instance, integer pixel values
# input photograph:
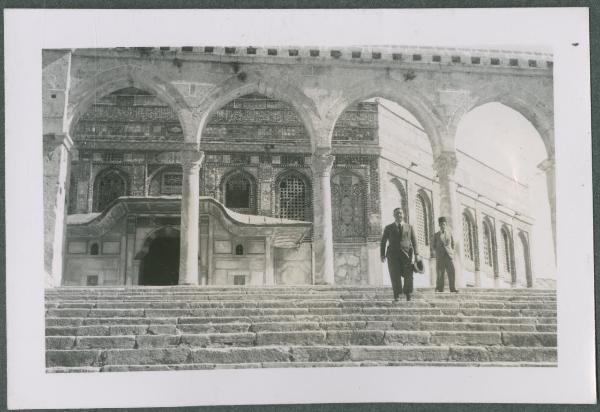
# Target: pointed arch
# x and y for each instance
(403, 197)
(84, 94)
(109, 184)
(470, 241)
(424, 220)
(526, 255)
(250, 82)
(508, 255)
(535, 110)
(348, 206)
(293, 196)
(400, 92)
(238, 191)
(490, 248)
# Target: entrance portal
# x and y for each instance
(160, 266)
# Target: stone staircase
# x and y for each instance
(104, 329)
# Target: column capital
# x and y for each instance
(53, 140)
(322, 162)
(547, 164)
(445, 163)
(191, 159)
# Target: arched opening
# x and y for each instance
(524, 274)
(293, 197)
(160, 258)
(104, 133)
(166, 181)
(507, 254)
(404, 173)
(490, 256)
(109, 185)
(423, 219)
(94, 249)
(239, 192)
(507, 150)
(348, 207)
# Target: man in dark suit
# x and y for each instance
(443, 249)
(399, 253)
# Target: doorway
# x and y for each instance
(160, 266)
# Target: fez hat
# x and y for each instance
(442, 219)
(418, 266)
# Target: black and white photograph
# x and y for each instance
(271, 208)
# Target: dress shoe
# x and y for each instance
(454, 291)
(407, 297)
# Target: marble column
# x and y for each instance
(445, 165)
(549, 167)
(57, 166)
(322, 162)
(190, 210)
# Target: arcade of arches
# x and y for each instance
(275, 205)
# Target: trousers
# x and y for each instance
(399, 268)
(444, 264)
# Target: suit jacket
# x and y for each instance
(401, 245)
(443, 248)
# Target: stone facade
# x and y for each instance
(287, 139)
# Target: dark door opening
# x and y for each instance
(160, 266)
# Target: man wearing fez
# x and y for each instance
(399, 253)
(443, 249)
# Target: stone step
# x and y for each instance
(208, 366)
(310, 297)
(294, 354)
(235, 327)
(396, 310)
(407, 319)
(296, 304)
(306, 337)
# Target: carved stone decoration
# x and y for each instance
(322, 164)
(445, 164)
(348, 206)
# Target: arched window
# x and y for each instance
(400, 198)
(239, 250)
(293, 198)
(239, 192)
(108, 187)
(94, 249)
(423, 222)
(469, 237)
(506, 251)
(487, 244)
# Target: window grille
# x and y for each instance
(422, 222)
(487, 245)
(468, 238)
(239, 280)
(94, 249)
(239, 250)
(172, 183)
(292, 198)
(110, 187)
(92, 280)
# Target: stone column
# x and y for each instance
(56, 188)
(190, 210)
(445, 166)
(322, 162)
(549, 167)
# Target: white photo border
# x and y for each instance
(27, 32)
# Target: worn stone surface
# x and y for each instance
(105, 342)
(157, 341)
(240, 355)
(406, 338)
(529, 339)
(68, 358)
(320, 354)
(355, 337)
(145, 356)
(291, 338)
(466, 338)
